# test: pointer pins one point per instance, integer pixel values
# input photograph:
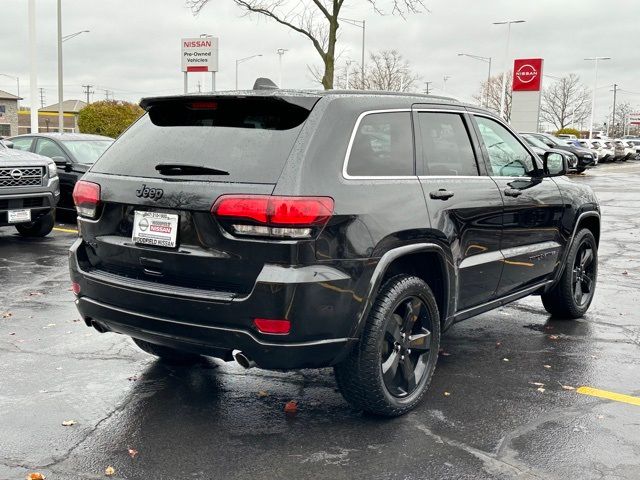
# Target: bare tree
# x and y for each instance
(318, 20)
(565, 102)
(619, 124)
(386, 70)
(491, 90)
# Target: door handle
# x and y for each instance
(441, 194)
(512, 192)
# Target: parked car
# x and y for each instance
(73, 153)
(635, 143)
(29, 191)
(584, 143)
(618, 150)
(541, 148)
(567, 136)
(586, 159)
(628, 151)
(297, 230)
(605, 154)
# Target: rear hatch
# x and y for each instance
(159, 180)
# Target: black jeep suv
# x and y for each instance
(301, 229)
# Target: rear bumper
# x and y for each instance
(321, 302)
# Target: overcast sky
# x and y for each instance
(133, 47)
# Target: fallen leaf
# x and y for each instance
(446, 394)
(12, 333)
(568, 387)
(35, 294)
(263, 394)
(505, 359)
(547, 366)
(625, 273)
(68, 423)
(36, 476)
(109, 471)
(541, 390)
(132, 452)
(537, 384)
(7, 314)
(600, 417)
(445, 354)
(498, 344)
(291, 407)
(553, 337)
(132, 378)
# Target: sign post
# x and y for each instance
(526, 89)
(199, 55)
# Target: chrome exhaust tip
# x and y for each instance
(243, 360)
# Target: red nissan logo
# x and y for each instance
(526, 73)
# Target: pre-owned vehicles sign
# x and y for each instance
(200, 54)
(527, 74)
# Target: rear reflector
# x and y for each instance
(86, 196)
(271, 216)
(75, 287)
(274, 327)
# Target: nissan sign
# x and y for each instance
(200, 54)
(527, 74)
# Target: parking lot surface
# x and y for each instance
(504, 401)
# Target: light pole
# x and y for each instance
(503, 95)
(242, 60)
(72, 35)
(486, 60)
(213, 74)
(595, 85)
(17, 79)
(444, 82)
(62, 39)
(348, 63)
(280, 53)
(360, 24)
(33, 64)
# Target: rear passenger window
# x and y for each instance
(23, 143)
(382, 146)
(446, 148)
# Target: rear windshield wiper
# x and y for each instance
(185, 169)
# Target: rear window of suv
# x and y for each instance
(250, 138)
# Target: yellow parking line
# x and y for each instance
(618, 397)
(66, 230)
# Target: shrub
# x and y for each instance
(108, 117)
(569, 131)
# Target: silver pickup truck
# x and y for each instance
(29, 191)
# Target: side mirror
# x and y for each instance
(554, 164)
(8, 143)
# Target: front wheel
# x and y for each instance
(571, 297)
(38, 228)
(388, 372)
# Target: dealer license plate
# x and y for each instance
(19, 216)
(157, 229)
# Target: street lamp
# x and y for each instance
(72, 35)
(360, 24)
(595, 85)
(503, 95)
(280, 52)
(242, 60)
(445, 78)
(17, 79)
(482, 59)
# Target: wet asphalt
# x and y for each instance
(486, 415)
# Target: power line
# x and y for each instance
(88, 92)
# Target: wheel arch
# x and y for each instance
(428, 261)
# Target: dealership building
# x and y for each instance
(48, 117)
(8, 114)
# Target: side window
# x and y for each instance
(22, 143)
(507, 156)
(446, 147)
(49, 148)
(382, 146)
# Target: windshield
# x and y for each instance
(87, 151)
(534, 142)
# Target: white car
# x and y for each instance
(627, 151)
(605, 154)
(584, 143)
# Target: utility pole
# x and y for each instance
(613, 114)
(88, 92)
(42, 98)
(60, 76)
(33, 75)
(428, 87)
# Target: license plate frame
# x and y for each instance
(156, 229)
(22, 215)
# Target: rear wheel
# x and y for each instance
(388, 372)
(571, 297)
(168, 355)
(39, 228)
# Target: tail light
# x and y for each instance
(271, 216)
(86, 196)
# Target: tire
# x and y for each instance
(40, 228)
(360, 376)
(168, 355)
(581, 268)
